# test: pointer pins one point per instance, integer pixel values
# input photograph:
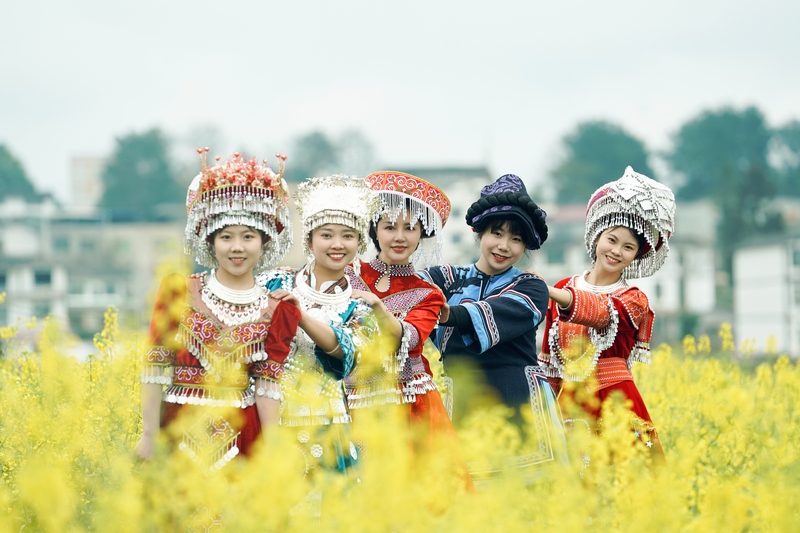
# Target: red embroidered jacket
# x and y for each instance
(203, 361)
(597, 327)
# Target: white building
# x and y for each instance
(75, 267)
(767, 293)
(86, 183)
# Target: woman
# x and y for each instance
(488, 327)
(335, 212)
(412, 211)
(212, 334)
(597, 324)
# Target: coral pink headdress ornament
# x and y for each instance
(640, 204)
(423, 202)
(238, 192)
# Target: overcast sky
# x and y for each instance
(448, 82)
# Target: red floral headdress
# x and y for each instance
(239, 192)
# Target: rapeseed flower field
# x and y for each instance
(730, 430)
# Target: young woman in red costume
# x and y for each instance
(413, 211)
(597, 324)
(217, 337)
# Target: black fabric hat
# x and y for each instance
(508, 197)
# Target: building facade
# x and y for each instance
(767, 294)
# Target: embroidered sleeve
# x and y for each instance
(636, 308)
(515, 310)
(588, 309)
(278, 343)
(160, 357)
(434, 275)
(422, 318)
(354, 336)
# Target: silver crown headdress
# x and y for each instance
(640, 204)
(336, 199)
(238, 192)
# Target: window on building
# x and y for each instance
(41, 309)
(87, 245)
(2, 281)
(61, 245)
(42, 277)
(75, 286)
(91, 321)
(658, 290)
(797, 294)
(123, 246)
(456, 239)
(796, 257)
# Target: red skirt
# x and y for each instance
(245, 421)
(433, 433)
(643, 425)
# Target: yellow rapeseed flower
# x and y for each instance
(730, 434)
(689, 346)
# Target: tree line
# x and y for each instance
(729, 156)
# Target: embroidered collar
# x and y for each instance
(481, 273)
(394, 270)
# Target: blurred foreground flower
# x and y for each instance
(731, 438)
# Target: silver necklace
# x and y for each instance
(233, 307)
(584, 285)
(234, 296)
(327, 308)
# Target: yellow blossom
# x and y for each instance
(704, 344)
(730, 433)
(689, 346)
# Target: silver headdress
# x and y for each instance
(640, 204)
(336, 199)
(238, 192)
(404, 194)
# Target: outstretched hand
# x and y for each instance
(369, 297)
(282, 295)
(536, 274)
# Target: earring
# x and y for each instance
(310, 262)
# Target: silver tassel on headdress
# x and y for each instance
(641, 204)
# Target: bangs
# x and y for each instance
(511, 224)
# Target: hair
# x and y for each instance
(498, 223)
(523, 202)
